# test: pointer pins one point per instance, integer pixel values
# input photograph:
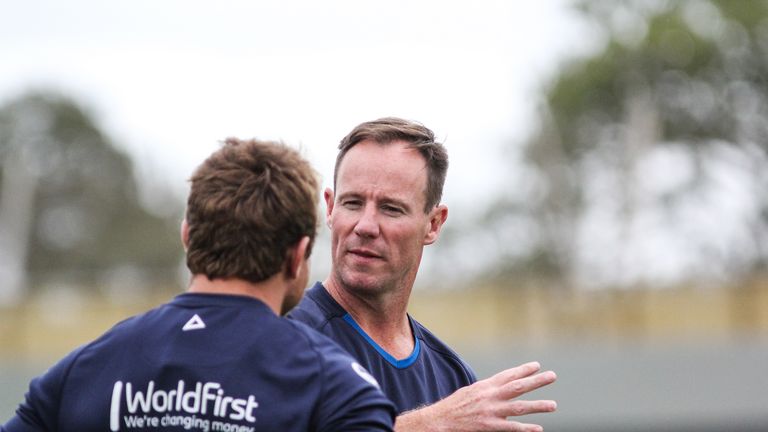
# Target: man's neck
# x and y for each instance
(267, 291)
(384, 318)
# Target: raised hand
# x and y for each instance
(485, 405)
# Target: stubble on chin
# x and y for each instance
(357, 281)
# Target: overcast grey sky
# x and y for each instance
(169, 79)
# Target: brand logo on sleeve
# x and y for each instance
(204, 406)
(364, 374)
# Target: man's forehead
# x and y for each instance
(389, 170)
(369, 153)
(385, 165)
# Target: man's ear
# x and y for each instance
(185, 234)
(328, 195)
(437, 218)
(297, 257)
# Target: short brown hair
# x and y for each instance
(249, 202)
(388, 129)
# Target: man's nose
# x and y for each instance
(368, 224)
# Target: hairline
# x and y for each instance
(409, 144)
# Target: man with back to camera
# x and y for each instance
(385, 207)
(219, 357)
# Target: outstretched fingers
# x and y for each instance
(525, 427)
(518, 408)
(521, 386)
(488, 404)
(515, 373)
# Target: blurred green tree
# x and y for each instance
(69, 207)
(650, 160)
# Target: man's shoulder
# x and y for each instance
(350, 398)
(434, 346)
(316, 308)
(430, 339)
(334, 360)
(324, 346)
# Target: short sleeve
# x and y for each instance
(350, 397)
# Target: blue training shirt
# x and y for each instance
(432, 371)
(206, 362)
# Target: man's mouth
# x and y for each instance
(364, 253)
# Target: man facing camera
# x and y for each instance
(384, 209)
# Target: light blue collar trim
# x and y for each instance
(399, 364)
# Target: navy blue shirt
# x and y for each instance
(432, 371)
(203, 363)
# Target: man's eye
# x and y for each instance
(392, 209)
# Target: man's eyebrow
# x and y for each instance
(349, 195)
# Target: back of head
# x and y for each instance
(249, 202)
(388, 129)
